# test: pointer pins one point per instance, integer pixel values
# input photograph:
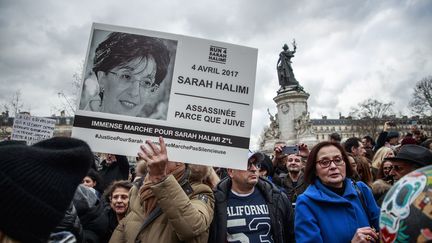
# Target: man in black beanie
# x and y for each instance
(37, 184)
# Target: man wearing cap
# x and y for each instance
(409, 158)
(250, 209)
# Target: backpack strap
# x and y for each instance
(360, 194)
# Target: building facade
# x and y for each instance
(321, 128)
(348, 127)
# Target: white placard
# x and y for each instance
(195, 93)
(32, 129)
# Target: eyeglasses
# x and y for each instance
(148, 83)
(397, 168)
(324, 163)
(387, 168)
(295, 160)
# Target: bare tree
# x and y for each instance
(370, 115)
(372, 108)
(15, 103)
(421, 101)
(70, 99)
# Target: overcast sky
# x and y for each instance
(348, 51)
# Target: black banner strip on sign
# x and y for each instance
(208, 98)
(164, 131)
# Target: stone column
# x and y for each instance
(291, 105)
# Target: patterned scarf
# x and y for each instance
(147, 198)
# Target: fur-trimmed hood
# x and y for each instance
(380, 186)
(198, 173)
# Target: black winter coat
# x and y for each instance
(91, 214)
(293, 191)
(280, 210)
(71, 223)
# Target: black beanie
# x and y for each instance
(37, 184)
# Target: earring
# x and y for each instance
(101, 94)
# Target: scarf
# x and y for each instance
(147, 198)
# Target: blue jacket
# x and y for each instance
(323, 216)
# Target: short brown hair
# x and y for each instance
(116, 184)
(310, 170)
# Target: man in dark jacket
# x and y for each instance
(293, 182)
(247, 206)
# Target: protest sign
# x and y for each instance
(195, 93)
(32, 129)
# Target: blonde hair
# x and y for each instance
(379, 156)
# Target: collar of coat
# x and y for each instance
(266, 188)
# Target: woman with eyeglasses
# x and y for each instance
(334, 208)
(380, 155)
(384, 181)
(130, 70)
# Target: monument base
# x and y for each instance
(292, 120)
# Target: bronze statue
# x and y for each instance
(284, 68)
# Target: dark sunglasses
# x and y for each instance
(254, 163)
(397, 168)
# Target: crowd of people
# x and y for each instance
(57, 191)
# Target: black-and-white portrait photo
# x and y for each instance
(128, 74)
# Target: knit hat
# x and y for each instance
(408, 140)
(38, 183)
(411, 153)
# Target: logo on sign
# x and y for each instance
(217, 54)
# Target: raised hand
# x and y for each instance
(156, 159)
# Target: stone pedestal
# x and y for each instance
(292, 121)
(291, 105)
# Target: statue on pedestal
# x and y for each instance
(302, 124)
(273, 130)
(285, 71)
